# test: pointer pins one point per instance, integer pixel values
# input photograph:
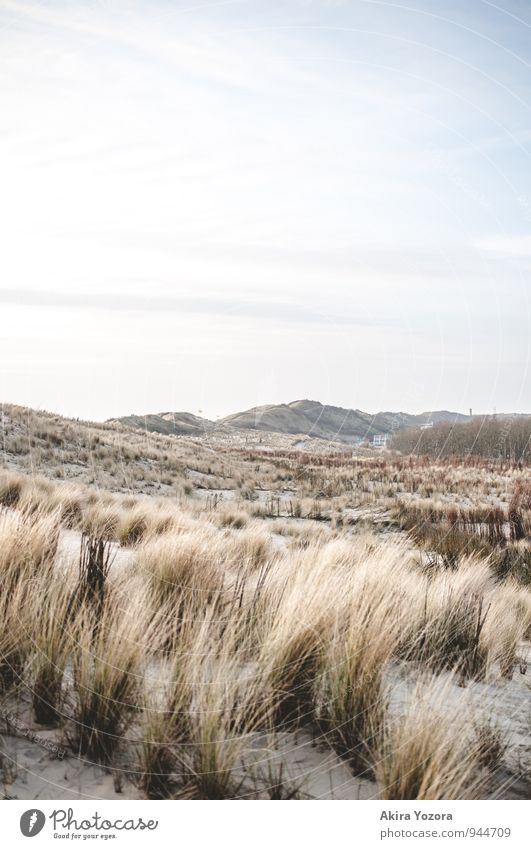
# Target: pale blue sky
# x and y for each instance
(208, 206)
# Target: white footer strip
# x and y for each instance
(271, 825)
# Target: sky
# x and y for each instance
(208, 206)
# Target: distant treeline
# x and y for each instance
(503, 437)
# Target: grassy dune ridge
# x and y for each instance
(183, 635)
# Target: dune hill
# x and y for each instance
(311, 418)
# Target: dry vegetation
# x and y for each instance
(172, 613)
(501, 437)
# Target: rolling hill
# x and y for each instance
(310, 418)
(180, 424)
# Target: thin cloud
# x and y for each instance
(277, 311)
(516, 247)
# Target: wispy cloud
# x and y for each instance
(516, 247)
(271, 171)
(268, 310)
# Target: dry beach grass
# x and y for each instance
(178, 642)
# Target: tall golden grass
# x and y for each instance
(431, 751)
(209, 635)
